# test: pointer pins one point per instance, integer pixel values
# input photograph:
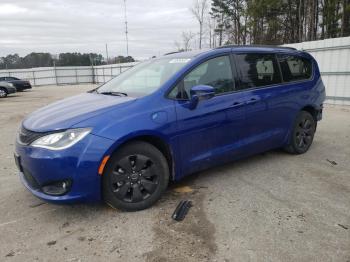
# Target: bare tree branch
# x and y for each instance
(199, 11)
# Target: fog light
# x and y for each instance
(57, 188)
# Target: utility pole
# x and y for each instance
(126, 30)
(107, 53)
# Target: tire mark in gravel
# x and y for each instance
(189, 240)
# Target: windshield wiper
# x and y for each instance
(93, 90)
(114, 93)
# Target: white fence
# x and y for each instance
(333, 58)
(68, 74)
(332, 55)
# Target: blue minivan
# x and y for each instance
(166, 118)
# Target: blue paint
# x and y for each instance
(216, 130)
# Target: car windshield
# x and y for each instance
(143, 78)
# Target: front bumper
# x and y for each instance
(79, 164)
(23, 87)
(11, 90)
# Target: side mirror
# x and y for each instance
(199, 93)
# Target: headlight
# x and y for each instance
(61, 140)
(11, 85)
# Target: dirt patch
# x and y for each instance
(189, 240)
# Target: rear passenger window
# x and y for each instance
(295, 68)
(257, 70)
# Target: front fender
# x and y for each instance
(144, 118)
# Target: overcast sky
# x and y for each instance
(85, 26)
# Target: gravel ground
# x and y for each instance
(269, 207)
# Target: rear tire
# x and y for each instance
(3, 92)
(302, 134)
(135, 177)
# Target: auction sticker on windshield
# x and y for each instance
(179, 61)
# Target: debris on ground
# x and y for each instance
(51, 243)
(181, 210)
(332, 162)
(11, 254)
(81, 238)
(301, 217)
(345, 227)
(183, 189)
(37, 204)
(65, 224)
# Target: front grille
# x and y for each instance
(26, 136)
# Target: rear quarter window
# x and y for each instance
(257, 70)
(295, 68)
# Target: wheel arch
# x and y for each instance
(312, 110)
(154, 139)
(4, 88)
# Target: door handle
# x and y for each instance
(252, 101)
(237, 104)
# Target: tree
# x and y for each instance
(220, 17)
(279, 21)
(11, 61)
(64, 59)
(185, 44)
(123, 59)
(345, 24)
(37, 60)
(211, 32)
(78, 59)
(199, 11)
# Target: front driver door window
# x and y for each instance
(215, 72)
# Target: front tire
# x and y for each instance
(3, 92)
(135, 177)
(302, 134)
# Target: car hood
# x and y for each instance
(70, 111)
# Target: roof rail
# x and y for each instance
(267, 46)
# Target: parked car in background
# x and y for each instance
(167, 118)
(19, 84)
(6, 88)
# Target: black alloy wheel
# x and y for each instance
(135, 177)
(302, 134)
